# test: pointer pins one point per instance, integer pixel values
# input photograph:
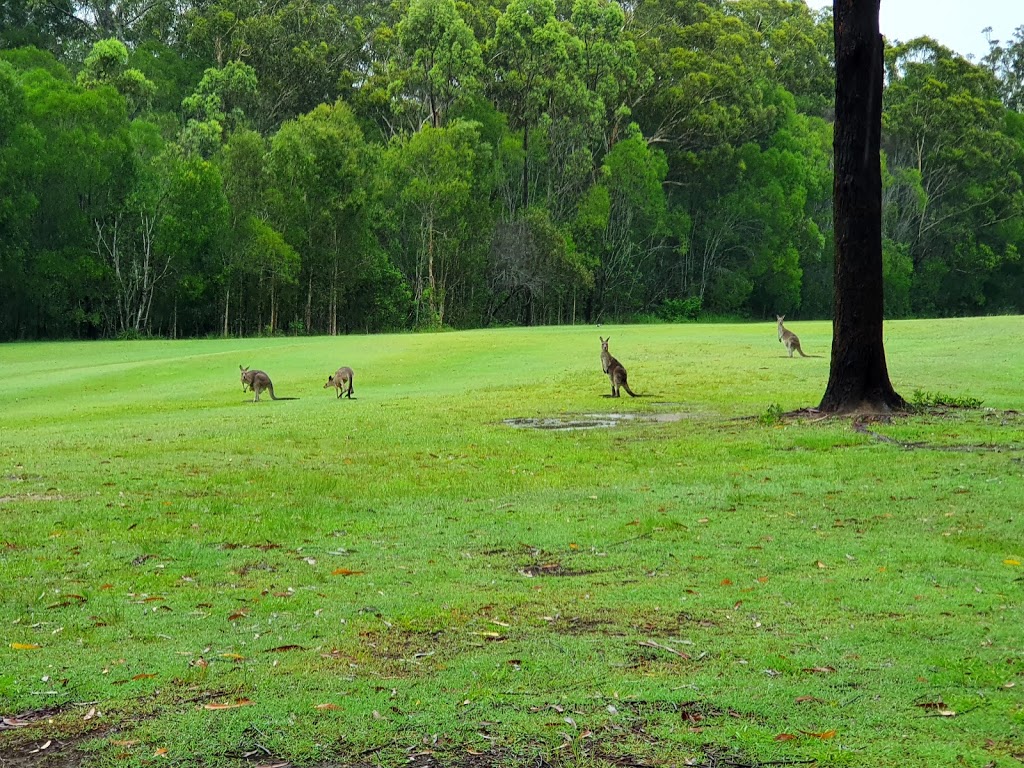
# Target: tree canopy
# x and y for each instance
(301, 167)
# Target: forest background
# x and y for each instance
(242, 167)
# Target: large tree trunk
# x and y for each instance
(858, 377)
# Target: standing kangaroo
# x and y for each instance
(788, 338)
(258, 381)
(341, 377)
(615, 370)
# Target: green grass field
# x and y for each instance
(406, 579)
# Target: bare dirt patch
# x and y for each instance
(571, 421)
(553, 569)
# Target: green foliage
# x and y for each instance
(217, 107)
(107, 64)
(680, 310)
(771, 415)
(922, 400)
(454, 163)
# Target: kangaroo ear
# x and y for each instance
(241, 369)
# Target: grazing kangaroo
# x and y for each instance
(341, 377)
(258, 381)
(788, 338)
(615, 370)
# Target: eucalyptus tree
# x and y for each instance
(302, 51)
(955, 175)
(243, 170)
(444, 61)
(320, 166)
(20, 145)
(1005, 60)
(191, 235)
(107, 64)
(624, 224)
(218, 106)
(712, 84)
(529, 55)
(86, 171)
(799, 46)
(434, 216)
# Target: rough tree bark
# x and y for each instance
(858, 376)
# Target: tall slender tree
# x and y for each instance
(858, 377)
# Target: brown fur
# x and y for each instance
(788, 338)
(340, 378)
(258, 381)
(616, 371)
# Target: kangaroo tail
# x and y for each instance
(798, 349)
(631, 393)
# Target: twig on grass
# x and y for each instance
(632, 538)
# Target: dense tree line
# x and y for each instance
(242, 166)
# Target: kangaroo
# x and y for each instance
(788, 338)
(615, 370)
(258, 381)
(340, 378)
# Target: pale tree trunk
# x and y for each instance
(137, 276)
(227, 305)
(430, 269)
(273, 306)
(334, 299)
(309, 304)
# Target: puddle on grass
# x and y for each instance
(592, 420)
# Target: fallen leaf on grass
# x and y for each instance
(807, 699)
(494, 637)
(161, 752)
(233, 656)
(46, 745)
(90, 714)
(785, 737)
(25, 646)
(821, 670)
(283, 648)
(144, 676)
(238, 615)
(68, 600)
(1011, 561)
(940, 708)
(725, 582)
(345, 572)
(119, 743)
(237, 703)
(12, 722)
(327, 706)
(659, 646)
(822, 735)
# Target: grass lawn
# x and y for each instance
(406, 579)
